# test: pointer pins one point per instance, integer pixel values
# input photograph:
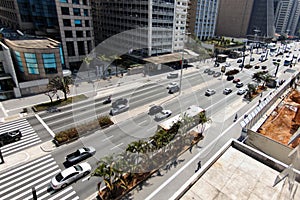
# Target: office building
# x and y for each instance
(203, 18)
(155, 19)
(287, 17)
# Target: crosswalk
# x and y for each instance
(18, 183)
(29, 136)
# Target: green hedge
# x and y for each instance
(73, 133)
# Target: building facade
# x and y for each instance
(155, 19)
(36, 62)
(205, 18)
(287, 17)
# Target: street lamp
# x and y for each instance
(182, 61)
(244, 48)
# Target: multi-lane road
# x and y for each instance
(221, 108)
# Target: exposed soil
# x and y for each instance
(284, 121)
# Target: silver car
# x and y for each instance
(163, 114)
(69, 175)
(210, 92)
(119, 109)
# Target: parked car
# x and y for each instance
(172, 75)
(239, 85)
(239, 60)
(172, 84)
(211, 72)
(9, 137)
(241, 91)
(217, 74)
(155, 109)
(210, 92)
(227, 91)
(216, 64)
(230, 77)
(263, 67)
(69, 175)
(227, 64)
(80, 155)
(173, 89)
(121, 101)
(163, 114)
(236, 80)
(119, 109)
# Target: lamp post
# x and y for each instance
(182, 61)
(244, 48)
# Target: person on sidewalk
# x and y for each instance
(198, 166)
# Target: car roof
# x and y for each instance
(68, 171)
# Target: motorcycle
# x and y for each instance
(107, 101)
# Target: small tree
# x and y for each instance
(59, 83)
(203, 119)
(50, 93)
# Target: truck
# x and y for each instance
(192, 111)
(9, 137)
(80, 155)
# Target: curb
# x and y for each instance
(45, 149)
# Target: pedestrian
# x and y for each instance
(235, 117)
(198, 166)
(261, 94)
(57, 97)
(190, 149)
(158, 173)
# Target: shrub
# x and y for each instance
(232, 72)
(65, 136)
(104, 121)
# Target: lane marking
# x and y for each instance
(108, 138)
(117, 146)
(45, 125)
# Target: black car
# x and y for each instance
(239, 60)
(155, 109)
(227, 91)
(251, 59)
(118, 102)
(173, 89)
(230, 77)
(10, 137)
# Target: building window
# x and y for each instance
(87, 23)
(68, 34)
(49, 63)
(63, 1)
(81, 49)
(70, 48)
(65, 11)
(89, 46)
(76, 11)
(84, 2)
(75, 1)
(31, 63)
(19, 61)
(67, 22)
(86, 12)
(88, 33)
(77, 23)
(79, 34)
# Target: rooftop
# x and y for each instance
(236, 175)
(34, 43)
(172, 57)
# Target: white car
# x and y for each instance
(69, 175)
(241, 91)
(172, 84)
(163, 114)
(210, 92)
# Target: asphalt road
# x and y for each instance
(221, 108)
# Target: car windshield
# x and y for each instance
(78, 167)
(59, 177)
(86, 149)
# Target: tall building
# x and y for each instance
(203, 18)
(156, 19)
(287, 17)
(76, 30)
(68, 21)
(239, 18)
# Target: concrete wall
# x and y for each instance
(268, 146)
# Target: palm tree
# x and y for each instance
(137, 147)
(251, 90)
(203, 119)
(266, 78)
(61, 83)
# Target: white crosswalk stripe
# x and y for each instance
(18, 182)
(29, 136)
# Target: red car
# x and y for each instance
(236, 80)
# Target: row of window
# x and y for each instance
(79, 34)
(77, 23)
(80, 47)
(49, 62)
(76, 11)
(83, 2)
